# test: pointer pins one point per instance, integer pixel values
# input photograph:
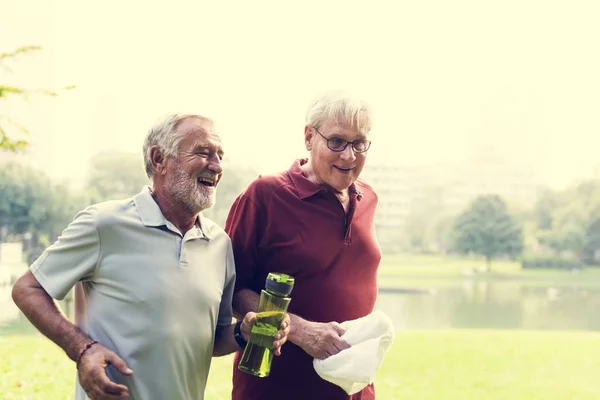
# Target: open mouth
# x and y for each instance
(207, 182)
(343, 170)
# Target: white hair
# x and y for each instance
(164, 134)
(342, 107)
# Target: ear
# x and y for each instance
(309, 133)
(158, 160)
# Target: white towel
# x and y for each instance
(354, 368)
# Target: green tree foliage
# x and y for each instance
(115, 175)
(566, 219)
(591, 250)
(20, 190)
(7, 142)
(427, 227)
(486, 228)
(30, 203)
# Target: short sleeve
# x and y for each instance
(225, 308)
(243, 227)
(73, 257)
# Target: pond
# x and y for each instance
(494, 305)
(454, 304)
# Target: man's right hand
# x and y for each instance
(92, 374)
(319, 340)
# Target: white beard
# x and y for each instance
(195, 196)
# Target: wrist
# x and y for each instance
(239, 336)
(85, 349)
(297, 327)
(74, 343)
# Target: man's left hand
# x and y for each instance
(280, 337)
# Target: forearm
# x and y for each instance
(298, 327)
(46, 316)
(244, 301)
(225, 342)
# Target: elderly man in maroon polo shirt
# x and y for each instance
(314, 222)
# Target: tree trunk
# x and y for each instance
(488, 263)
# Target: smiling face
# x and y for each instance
(338, 170)
(192, 177)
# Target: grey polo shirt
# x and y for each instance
(152, 295)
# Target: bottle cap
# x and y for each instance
(280, 284)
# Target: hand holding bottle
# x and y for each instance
(280, 337)
(270, 328)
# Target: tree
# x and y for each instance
(31, 204)
(6, 142)
(591, 250)
(486, 228)
(566, 218)
(19, 188)
(115, 175)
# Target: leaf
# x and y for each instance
(15, 124)
(7, 143)
(20, 50)
(4, 90)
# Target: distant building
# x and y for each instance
(402, 189)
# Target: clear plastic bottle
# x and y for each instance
(272, 307)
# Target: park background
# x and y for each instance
(484, 158)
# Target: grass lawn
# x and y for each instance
(410, 270)
(432, 365)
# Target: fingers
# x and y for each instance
(103, 388)
(118, 363)
(332, 341)
(93, 377)
(281, 335)
(247, 322)
(285, 324)
(249, 318)
(338, 328)
(341, 345)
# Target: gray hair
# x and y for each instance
(342, 107)
(164, 134)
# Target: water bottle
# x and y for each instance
(272, 307)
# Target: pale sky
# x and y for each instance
(444, 77)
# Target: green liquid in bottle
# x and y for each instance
(258, 354)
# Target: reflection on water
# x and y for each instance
(468, 304)
(495, 305)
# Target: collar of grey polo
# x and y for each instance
(155, 220)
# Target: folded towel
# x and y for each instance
(354, 368)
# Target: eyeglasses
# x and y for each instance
(339, 145)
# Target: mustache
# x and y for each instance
(208, 176)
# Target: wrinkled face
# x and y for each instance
(336, 169)
(192, 177)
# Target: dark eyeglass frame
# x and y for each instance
(368, 143)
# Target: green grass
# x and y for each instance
(432, 365)
(412, 270)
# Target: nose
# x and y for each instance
(214, 164)
(348, 153)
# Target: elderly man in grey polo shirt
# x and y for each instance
(155, 278)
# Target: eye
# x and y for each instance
(336, 143)
(360, 145)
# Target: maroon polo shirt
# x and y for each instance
(286, 223)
